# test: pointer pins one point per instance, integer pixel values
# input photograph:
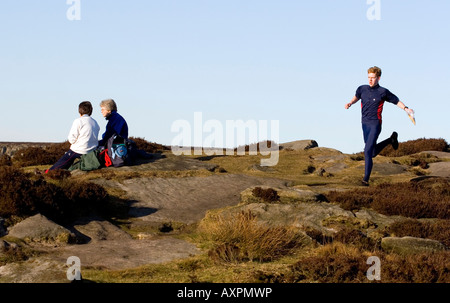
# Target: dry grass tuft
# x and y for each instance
(334, 263)
(241, 237)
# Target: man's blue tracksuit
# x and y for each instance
(372, 101)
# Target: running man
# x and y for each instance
(372, 98)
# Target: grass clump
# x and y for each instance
(241, 237)
(22, 195)
(11, 254)
(267, 195)
(333, 263)
(149, 147)
(5, 160)
(428, 198)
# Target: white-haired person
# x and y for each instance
(116, 123)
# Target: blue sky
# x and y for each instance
(294, 61)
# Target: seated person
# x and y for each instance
(83, 137)
(116, 123)
(117, 126)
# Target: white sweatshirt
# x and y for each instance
(84, 135)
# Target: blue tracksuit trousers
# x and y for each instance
(371, 131)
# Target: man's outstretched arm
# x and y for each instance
(405, 108)
(353, 101)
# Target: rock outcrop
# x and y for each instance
(411, 245)
(10, 148)
(38, 228)
(299, 145)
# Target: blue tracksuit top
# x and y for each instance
(116, 126)
(372, 101)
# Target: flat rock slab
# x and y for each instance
(106, 246)
(34, 270)
(440, 169)
(438, 154)
(186, 200)
(110, 247)
(170, 163)
(108, 254)
(411, 245)
(131, 253)
(387, 169)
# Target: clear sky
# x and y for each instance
(297, 62)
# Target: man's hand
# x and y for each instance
(353, 101)
(409, 111)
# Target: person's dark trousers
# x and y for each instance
(66, 161)
(371, 131)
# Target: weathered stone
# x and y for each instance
(40, 229)
(304, 215)
(299, 145)
(93, 229)
(440, 169)
(10, 148)
(286, 195)
(437, 154)
(411, 245)
(184, 200)
(379, 219)
(387, 169)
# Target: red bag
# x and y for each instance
(108, 161)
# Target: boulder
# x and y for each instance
(380, 220)
(299, 145)
(411, 245)
(38, 228)
(96, 229)
(302, 215)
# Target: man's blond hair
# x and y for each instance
(376, 70)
